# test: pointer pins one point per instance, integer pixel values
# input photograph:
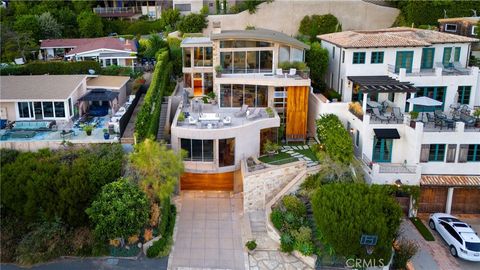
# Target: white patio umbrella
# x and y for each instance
(424, 102)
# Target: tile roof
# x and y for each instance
(460, 19)
(38, 87)
(89, 44)
(450, 180)
(392, 37)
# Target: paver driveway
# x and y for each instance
(208, 233)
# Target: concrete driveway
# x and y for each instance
(435, 254)
(208, 233)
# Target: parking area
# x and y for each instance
(435, 254)
(208, 233)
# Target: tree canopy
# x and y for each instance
(315, 25)
(317, 61)
(120, 210)
(192, 23)
(334, 138)
(89, 24)
(345, 211)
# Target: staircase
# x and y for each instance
(257, 222)
(162, 121)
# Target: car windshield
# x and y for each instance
(472, 246)
(449, 219)
(460, 225)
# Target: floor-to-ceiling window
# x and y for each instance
(25, 110)
(464, 94)
(197, 150)
(226, 152)
(435, 92)
(202, 56)
(382, 150)
(238, 94)
(245, 56)
(427, 58)
(187, 57)
(404, 60)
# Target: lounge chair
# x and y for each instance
(255, 114)
(292, 72)
(397, 113)
(379, 116)
(459, 67)
(439, 122)
(242, 111)
(192, 121)
(279, 72)
(227, 120)
(468, 120)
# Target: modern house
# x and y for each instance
(58, 97)
(253, 98)
(379, 74)
(464, 26)
(106, 50)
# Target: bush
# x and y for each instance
(161, 247)
(317, 61)
(45, 242)
(335, 138)
(277, 219)
(52, 68)
(251, 245)
(286, 243)
(82, 241)
(315, 25)
(294, 205)
(404, 251)
(192, 23)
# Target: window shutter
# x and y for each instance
(462, 155)
(424, 152)
(452, 149)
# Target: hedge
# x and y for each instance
(422, 229)
(52, 68)
(162, 246)
(148, 117)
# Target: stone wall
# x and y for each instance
(259, 187)
(285, 15)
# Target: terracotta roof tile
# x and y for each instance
(88, 44)
(392, 37)
(450, 180)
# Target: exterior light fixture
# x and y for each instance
(398, 183)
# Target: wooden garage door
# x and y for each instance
(466, 201)
(432, 199)
(206, 181)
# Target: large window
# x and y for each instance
(359, 57)
(59, 109)
(202, 56)
(464, 94)
(382, 150)
(226, 152)
(437, 93)
(247, 62)
(183, 7)
(197, 150)
(427, 58)
(404, 60)
(377, 57)
(48, 109)
(25, 110)
(437, 152)
(243, 44)
(473, 153)
(239, 62)
(238, 94)
(447, 56)
(187, 57)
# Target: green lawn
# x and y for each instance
(422, 229)
(308, 153)
(277, 159)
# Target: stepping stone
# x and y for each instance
(305, 147)
(306, 158)
(283, 150)
(287, 147)
(290, 152)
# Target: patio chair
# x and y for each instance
(255, 114)
(464, 109)
(439, 122)
(242, 111)
(192, 120)
(379, 116)
(293, 72)
(397, 113)
(279, 72)
(227, 120)
(430, 118)
(468, 120)
(440, 114)
(459, 67)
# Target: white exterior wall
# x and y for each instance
(196, 5)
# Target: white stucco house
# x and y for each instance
(106, 50)
(380, 70)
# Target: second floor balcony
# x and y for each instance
(439, 69)
(111, 12)
(281, 77)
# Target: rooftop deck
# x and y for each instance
(297, 78)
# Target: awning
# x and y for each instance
(386, 133)
(99, 95)
(450, 180)
(381, 84)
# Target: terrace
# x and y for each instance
(281, 77)
(454, 69)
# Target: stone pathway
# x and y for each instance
(269, 260)
(291, 150)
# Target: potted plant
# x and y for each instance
(251, 246)
(269, 112)
(88, 130)
(476, 114)
(219, 70)
(306, 72)
(106, 134)
(181, 117)
(211, 96)
(270, 147)
(413, 118)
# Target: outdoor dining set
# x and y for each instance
(217, 120)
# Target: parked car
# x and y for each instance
(462, 240)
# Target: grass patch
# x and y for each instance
(277, 159)
(422, 229)
(308, 153)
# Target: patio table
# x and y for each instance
(209, 117)
(374, 104)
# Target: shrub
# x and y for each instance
(292, 222)
(404, 251)
(286, 243)
(303, 234)
(148, 235)
(52, 68)
(162, 246)
(317, 60)
(251, 245)
(356, 108)
(276, 216)
(82, 241)
(192, 23)
(154, 214)
(315, 25)
(46, 241)
(270, 146)
(306, 248)
(335, 138)
(294, 205)
(132, 239)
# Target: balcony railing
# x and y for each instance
(114, 11)
(396, 168)
(280, 73)
(455, 70)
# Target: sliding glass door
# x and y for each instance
(382, 150)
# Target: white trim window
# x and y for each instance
(474, 30)
(450, 27)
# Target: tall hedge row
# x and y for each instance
(148, 117)
(52, 68)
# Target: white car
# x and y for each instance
(462, 240)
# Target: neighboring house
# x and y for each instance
(106, 50)
(465, 26)
(218, 136)
(134, 10)
(58, 97)
(384, 68)
(188, 6)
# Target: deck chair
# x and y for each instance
(379, 116)
(242, 111)
(255, 114)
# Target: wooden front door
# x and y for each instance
(207, 181)
(466, 201)
(197, 87)
(297, 113)
(432, 199)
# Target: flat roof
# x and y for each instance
(38, 87)
(108, 82)
(260, 35)
(393, 37)
(189, 41)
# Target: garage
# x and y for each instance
(207, 181)
(450, 194)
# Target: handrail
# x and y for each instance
(396, 168)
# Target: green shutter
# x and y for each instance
(447, 52)
(427, 58)
(457, 54)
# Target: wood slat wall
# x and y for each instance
(207, 181)
(297, 112)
